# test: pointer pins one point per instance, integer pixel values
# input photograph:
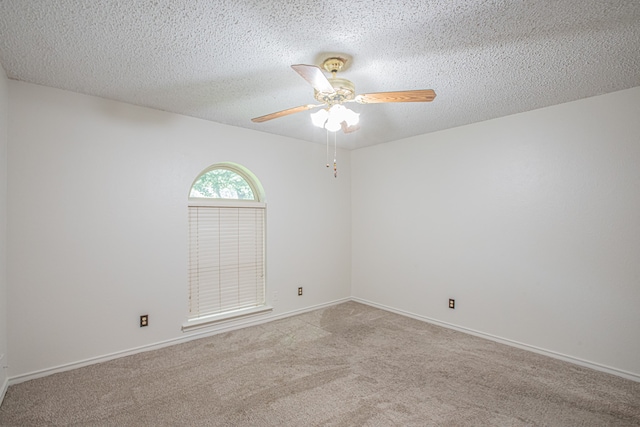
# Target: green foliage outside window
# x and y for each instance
(222, 184)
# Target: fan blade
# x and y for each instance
(424, 95)
(314, 76)
(285, 113)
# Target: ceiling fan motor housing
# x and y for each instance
(344, 91)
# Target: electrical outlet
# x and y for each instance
(144, 320)
(300, 290)
(452, 303)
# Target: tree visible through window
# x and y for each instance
(222, 184)
(226, 245)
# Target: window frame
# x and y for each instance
(258, 202)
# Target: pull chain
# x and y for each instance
(335, 152)
(327, 148)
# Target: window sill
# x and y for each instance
(203, 322)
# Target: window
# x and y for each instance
(226, 246)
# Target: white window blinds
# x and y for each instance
(226, 259)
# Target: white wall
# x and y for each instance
(4, 103)
(531, 222)
(97, 222)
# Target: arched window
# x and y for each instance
(222, 182)
(226, 245)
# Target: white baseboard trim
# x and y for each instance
(218, 328)
(3, 390)
(233, 325)
(544, 352)
(3, 377)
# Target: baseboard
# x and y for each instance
(3, 377)
(230, 326)
(544, 352)
(201, 333)
(3, 389)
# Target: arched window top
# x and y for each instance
(226, 181)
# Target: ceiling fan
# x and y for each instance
(333, 92)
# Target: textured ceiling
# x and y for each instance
(229, 61)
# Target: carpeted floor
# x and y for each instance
(347, 365)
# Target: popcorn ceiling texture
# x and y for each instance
(229, 61)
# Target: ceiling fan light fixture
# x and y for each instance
(344, 114)
(331, 119)
(333, 125)
(319, 118)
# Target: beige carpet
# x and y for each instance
(347, 365)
